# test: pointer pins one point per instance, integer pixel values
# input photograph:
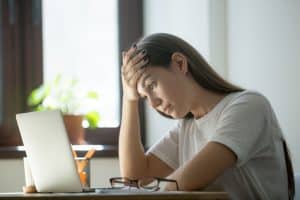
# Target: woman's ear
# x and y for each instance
(179, 61)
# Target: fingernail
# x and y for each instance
(146, 59)
(134, 46)
(144, 51)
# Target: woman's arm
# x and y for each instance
(133, 161)
(204, 168)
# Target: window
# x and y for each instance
(80, 39)
(21, 59)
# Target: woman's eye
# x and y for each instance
(151, 86)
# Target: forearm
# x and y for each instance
(133, 162)
(187, 178)
(204, 168)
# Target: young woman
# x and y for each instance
(226, 137)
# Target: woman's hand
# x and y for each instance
(132, 69)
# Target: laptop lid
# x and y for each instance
(49, 151)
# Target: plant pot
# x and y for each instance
(74, 128)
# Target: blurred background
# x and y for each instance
(254, 44)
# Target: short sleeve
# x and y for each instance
(166, 149)
(241, 125)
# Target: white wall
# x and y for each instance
(264, 54)
(12, 173)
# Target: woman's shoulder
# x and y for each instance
(248, 96)
(247, 101)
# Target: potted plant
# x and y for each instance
(79, 108)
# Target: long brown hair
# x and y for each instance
(161, 46)
(290, 171)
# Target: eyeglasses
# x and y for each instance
(149, 184)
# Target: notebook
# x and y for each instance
(50, 157)
(49, 152)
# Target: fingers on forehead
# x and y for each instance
(132, 51)
(144, 76)
(141, 80)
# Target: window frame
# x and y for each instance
(21, 61)
(23, 18)
(130, 20)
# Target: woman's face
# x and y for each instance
(164, 90)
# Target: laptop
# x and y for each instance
(50, 157)
(49, 151)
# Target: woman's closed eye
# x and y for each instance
(151, 86)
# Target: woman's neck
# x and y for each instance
(204, 101)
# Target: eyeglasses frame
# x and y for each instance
(135, 182)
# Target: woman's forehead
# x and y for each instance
(151, 72)
(155, 71)
(146, 75)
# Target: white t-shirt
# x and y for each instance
(245, 123)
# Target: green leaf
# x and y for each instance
(63, 93)
(92, 95)
(40, 108)
(57, 80)
(37, 96)
(93, 119)
(74, 82)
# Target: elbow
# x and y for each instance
(128, 173)
(135, 171)
(186, 183)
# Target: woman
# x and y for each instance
(226, 136)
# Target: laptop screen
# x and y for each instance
(49, 151)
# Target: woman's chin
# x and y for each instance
(177, 115)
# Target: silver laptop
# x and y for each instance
(49, 154)
(49, 151)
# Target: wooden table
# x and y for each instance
(98, 196)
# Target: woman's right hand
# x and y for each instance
(131, 71)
